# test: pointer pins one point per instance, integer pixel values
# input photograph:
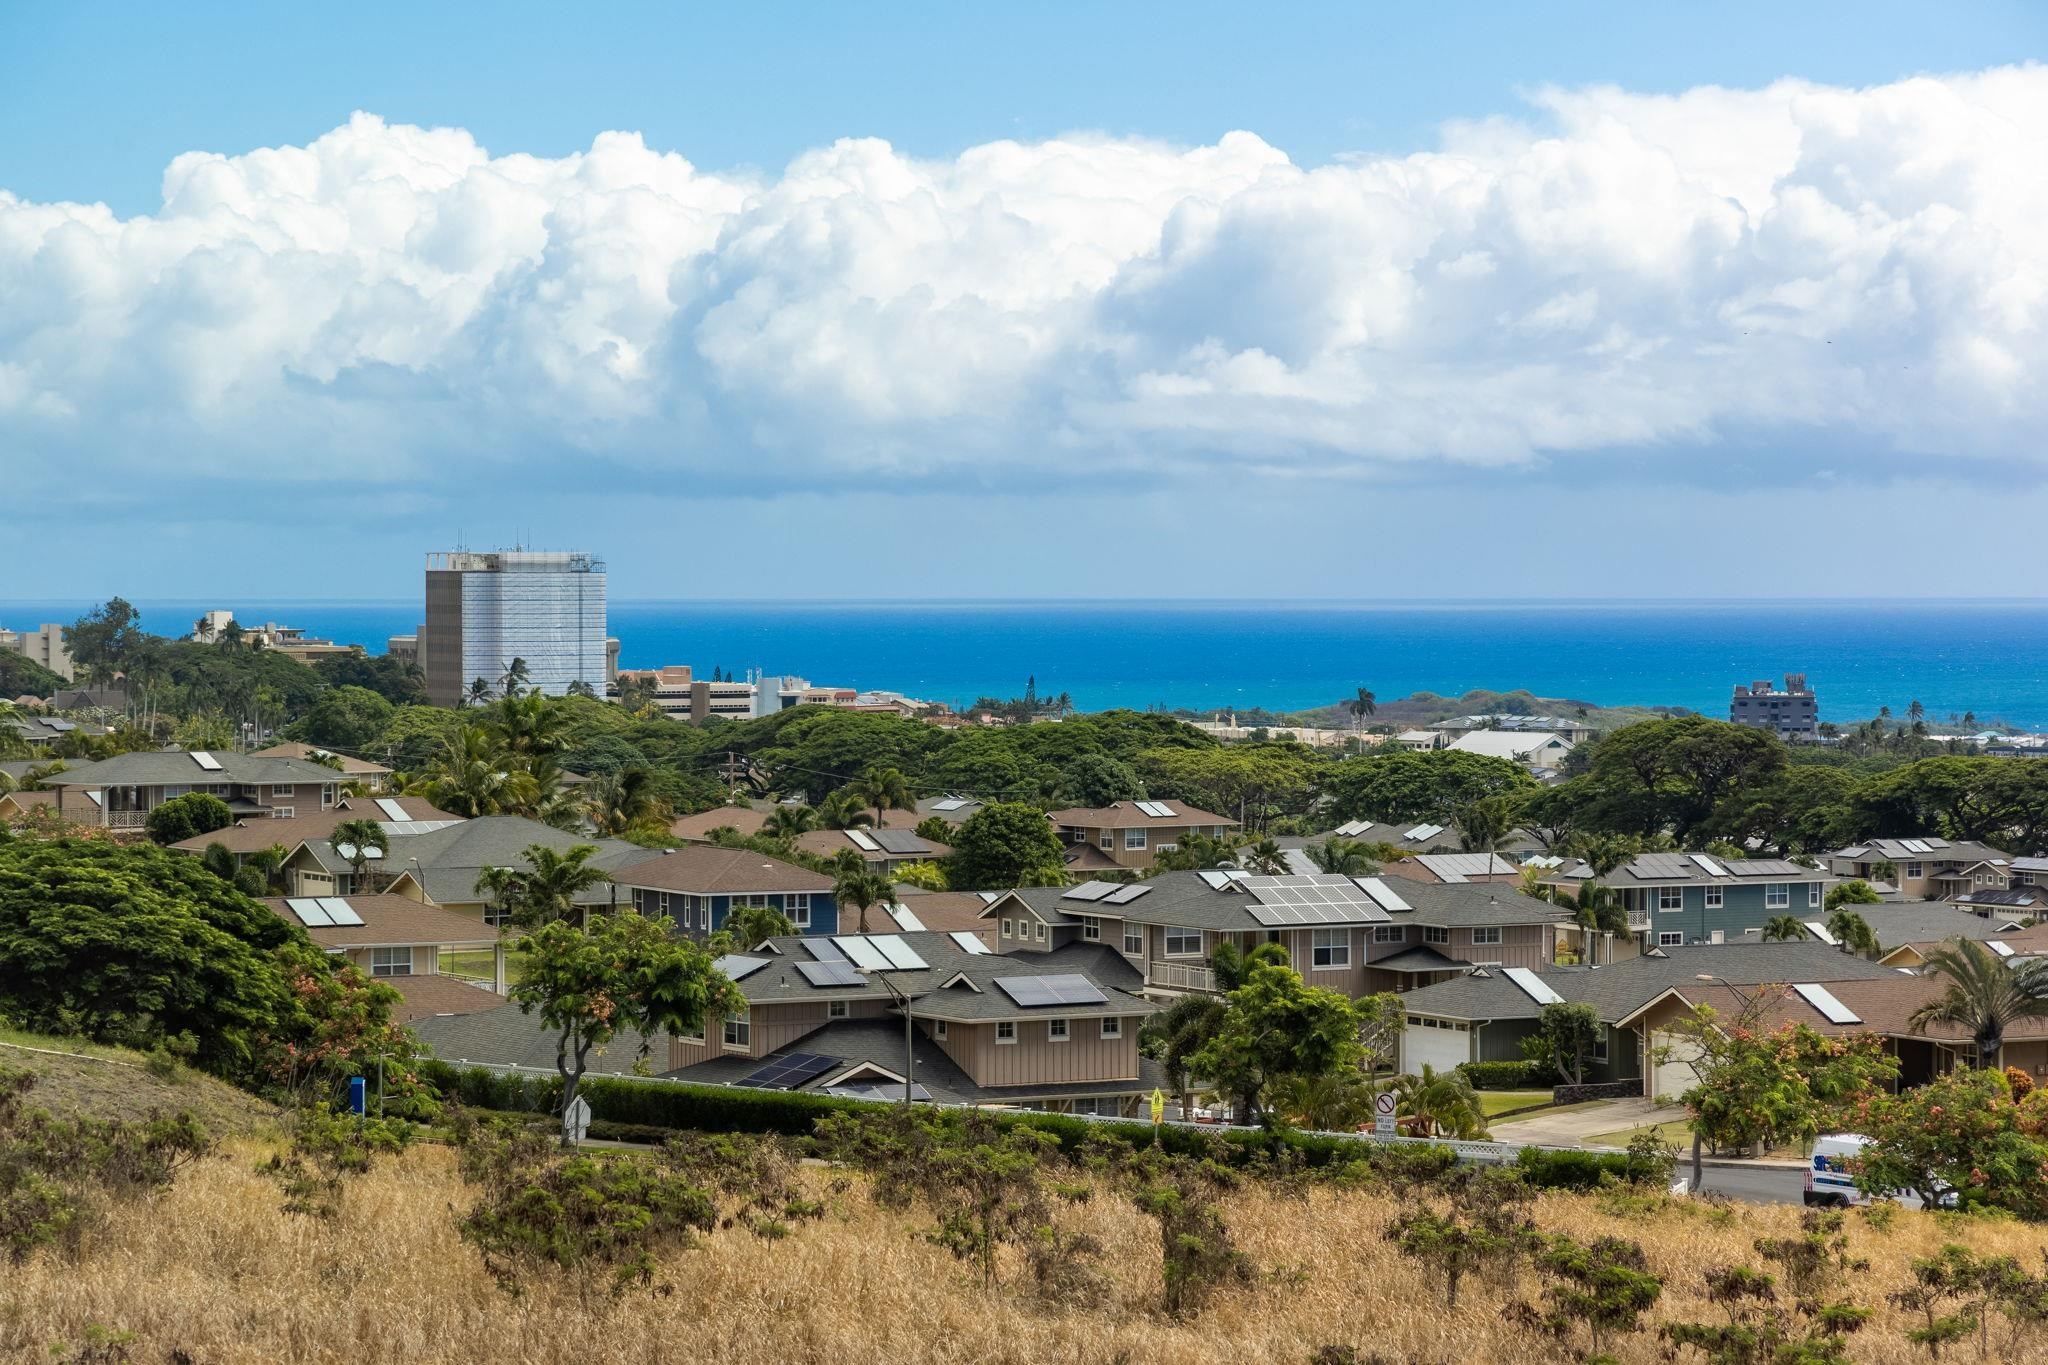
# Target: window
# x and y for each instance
(1006, 1030)
(1006, 928)
(1058, 1030)
(1716, 896)
(496, 915)
(938, 1028)
(696, 1037)
(1600, 1047)
(283, 789)
(1390, 933)
(1330, 948)
(1038, 931)
(1487, 934)
(1108, 839)
(390, 962)
(837, 1009)
(1134, 838)
(1916, 869)
(1166, 848)
(797, 906)
(1091, 929)
(283, 812)
(758, 901)
(1112, 1027)
(1670, 898)
(1183, 942)
(1134, 940)
(661, 906)
(1813, 895)
(1671, 939)
(1435, 933)
(739, 1031)
(1777, 896)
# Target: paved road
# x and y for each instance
(1761, 1185)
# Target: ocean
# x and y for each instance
(1985, 657)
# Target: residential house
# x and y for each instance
(398, 940)
(827, 1015)
(881, 850)
(120, 792)
(1359, 935)
(1455, 869)
(1483, 1015)
(1422, 836)
(1536, 750)
(2007, 938)
(397, 816)
(444, 864)
(1129, 836)
(953, 809)
(1923, 868)
(1679, 898)
(375, 777)
(698, 885)
(46, 732)
(939, 912)
(1420, 741)
(742, 819)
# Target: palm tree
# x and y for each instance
(471, 776)
(1853, 932)
(1442, 1103)
(1264, 857)
(479, 691)
(786, 822)
(355, 840)
(1361, 706)
(746, 926)
(514, 677)
(530, 723)
(625, 802)
(1914, 710)
(1784, 928)
(885, 789)
(1195, 853)
(502, 889)
(580, 688)
(1329, 1102)
(1969, 720)
(1984, 996)
(863, 890)
(1344, 857)
(843, 810)
(555, 880)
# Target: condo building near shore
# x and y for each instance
(485, 609)
(1790, 712)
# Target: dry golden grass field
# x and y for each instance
(213, 1273)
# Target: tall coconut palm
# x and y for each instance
(883, 789)
(514, 677)
(554, 880)
(503, 888)
(1783, 929)
(1361, 706)
(1984, 995)
(1344, 857)
(530, 723)
(786, 822)
(479, 691)
(863, 890)
(358, 841)
(625, 802)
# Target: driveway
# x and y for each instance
(1571, 1127)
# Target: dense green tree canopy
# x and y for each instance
(348, 718)
(1004, 845)
(1400, 785)
(182, 817)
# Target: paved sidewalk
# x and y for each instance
(1571, 1127)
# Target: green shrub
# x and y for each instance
(1570, 1170)
(1508, 1075)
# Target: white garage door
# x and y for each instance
(1441, 1048)
(1673, 1075)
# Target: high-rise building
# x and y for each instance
(487, 608)
(1792, 712)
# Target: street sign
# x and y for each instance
(1158, 1107)
(576, 1120)
(1383, 1106)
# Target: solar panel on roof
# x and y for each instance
(1033, 991)
(1820, 931)
(309, 912)
(2003, 949)
(989, 897)
(1424, 832)
(906, 918)
(1382, 895)
(789, 1071)
(1822, 999)
(900, 841)
(1707, 865)
(968, 942)
(840, 973)
(1533, 986)
(950, 803)
(1935, 843)
(900, 954)
(62, 726)
(340, 912)
(862, 953)
(824, 950)
(1216, 880)
(392, 809)
(1089, 891)
(1276, 916)
(206, 760)
(1125, 895)
(738, 967)
(1158, 810)
(862, 842)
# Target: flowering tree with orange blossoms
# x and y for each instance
(1962, 1133)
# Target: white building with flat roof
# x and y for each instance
(488, 608)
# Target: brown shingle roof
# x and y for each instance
(945, 912)
(255, 833)
(829, 843)
(697, 828)
(708, 870)
(350, 767)
(427, 997)
(1883, 1006)
(392, 921)
(1126, 815)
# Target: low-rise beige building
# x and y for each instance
(399, 940)
(1130, 835)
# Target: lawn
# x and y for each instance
(1678, 1133)
(1493, 1103)
(476, 965)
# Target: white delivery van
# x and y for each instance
(1829, 1182)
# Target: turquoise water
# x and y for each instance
(1981, 656)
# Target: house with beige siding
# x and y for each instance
(375, 777)
(399, 940)
(1359, 935)
(445, 863)
(120, 792)
(1925, 867)
(1129, 836)
(397, 816)
(1456, 869)
(884, 850)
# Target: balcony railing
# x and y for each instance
(1638, 919)
(1174, 976)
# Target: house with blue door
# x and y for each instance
(1674, 899)
(698, 885)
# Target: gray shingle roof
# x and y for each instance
(451, 858)
(179, 769)
(505, 1037)
(782, 979)
(1666, 869)
(706, 869)
(1184, 900)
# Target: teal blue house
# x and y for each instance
(698, 885)
(1675, 899)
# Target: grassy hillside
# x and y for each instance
(74, 1077)
(212, 1271)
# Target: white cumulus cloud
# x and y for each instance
(1611, 272)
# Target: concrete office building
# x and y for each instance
(487, 608)
(1792, 713)
(43, 645)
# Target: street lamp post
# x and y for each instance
(909, 1056)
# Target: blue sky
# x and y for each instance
(1414, 300)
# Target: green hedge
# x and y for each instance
(1568, 1170)
(1507, 1075)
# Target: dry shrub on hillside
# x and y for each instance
(212, 1269)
